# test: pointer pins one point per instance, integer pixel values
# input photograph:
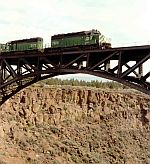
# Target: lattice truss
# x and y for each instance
(124, 66)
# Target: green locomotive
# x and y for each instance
(24, 44)
(90, 39)
(83, 38)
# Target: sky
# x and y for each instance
(124, 22)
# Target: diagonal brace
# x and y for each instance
(26, 62)
(146, 76)
(49, 62)
(13, 73)
(135, 66)
(133, 71)
(104, 60)
(73, 61)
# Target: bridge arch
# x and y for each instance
(21, 69)
(38, 76)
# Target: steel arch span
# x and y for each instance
(21, 69)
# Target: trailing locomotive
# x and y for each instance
(24, 44)
(83, 39)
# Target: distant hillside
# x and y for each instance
(80, 76)
(77, 82)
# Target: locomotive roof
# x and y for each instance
(81, 33)
(27, 40)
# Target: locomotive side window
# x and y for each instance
(33, 45)
(87, 38)
(54, 43)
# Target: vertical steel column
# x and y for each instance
(19, 71)
(140, 71)
(119, 65)
(107, 65)
(87, 61)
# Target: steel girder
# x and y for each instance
(21, 69)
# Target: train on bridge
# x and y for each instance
(76, 40)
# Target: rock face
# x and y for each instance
(75, 125)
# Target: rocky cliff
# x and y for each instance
(75, 125)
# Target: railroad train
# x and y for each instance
(84, 39)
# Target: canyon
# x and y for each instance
(66, 124)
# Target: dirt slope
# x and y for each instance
(63, 125)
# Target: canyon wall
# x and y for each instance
(75, 125)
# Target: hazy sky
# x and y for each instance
(125, 22)
(121, 20)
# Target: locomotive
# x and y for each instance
(84, 39)
(24, 44)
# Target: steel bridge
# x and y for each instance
(21, 69)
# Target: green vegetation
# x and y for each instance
(75, 82)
